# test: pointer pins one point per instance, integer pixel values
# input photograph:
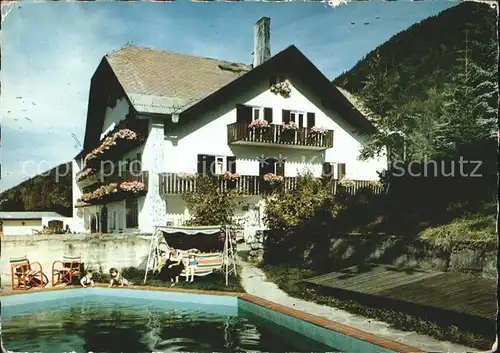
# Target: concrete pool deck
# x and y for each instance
(320, 323)
(254, 282)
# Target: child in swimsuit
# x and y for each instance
(116, 277)
(87, 280)
(191, 267)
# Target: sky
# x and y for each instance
(50, 51)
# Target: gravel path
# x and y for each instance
(255, 283)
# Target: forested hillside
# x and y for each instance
(50, 191)
(432, 86)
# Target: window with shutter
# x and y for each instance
(285, 116)
(341, 170)
(297, 117)
(231, 164)
(201, 161)
(311, 120)
(132, 212)
(219, 165)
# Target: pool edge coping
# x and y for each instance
(310, 318)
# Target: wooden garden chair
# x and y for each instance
(67, 270)
(26, 275)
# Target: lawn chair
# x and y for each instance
(67, 270)
(207, 262)
(24, 276)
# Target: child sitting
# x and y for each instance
(162, 262)
(191, 266)
(87, 280)
(116, 277)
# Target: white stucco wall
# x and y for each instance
(207, 134)
(114, 115)
(210, 137)
(21, 227)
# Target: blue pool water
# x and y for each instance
(129, 324)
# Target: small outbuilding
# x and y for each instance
(27, 223)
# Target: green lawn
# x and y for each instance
(289, 280)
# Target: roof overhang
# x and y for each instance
(148, 104)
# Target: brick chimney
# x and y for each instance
(262, 41)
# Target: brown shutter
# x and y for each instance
(210, 165)
(280, 167)
(268, 115)
(341, 170)
(201, 161)
(243, 114)
(311, 120)
(286, 116)
(231, 164)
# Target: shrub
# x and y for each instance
(291, 208)
(209, 204)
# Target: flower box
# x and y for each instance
(272, 178)
(228, 176)
(318, 131)
(119, 139)
(259, 124)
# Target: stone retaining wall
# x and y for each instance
(339, 251)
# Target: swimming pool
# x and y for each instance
(132, 320)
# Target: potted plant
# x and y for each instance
(281, 87)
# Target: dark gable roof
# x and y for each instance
(290, 62)
(157, 82)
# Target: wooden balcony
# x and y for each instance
(302, 138)
(248, 185)
(119, 177)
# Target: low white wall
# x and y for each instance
(97, 251)
(21, 227)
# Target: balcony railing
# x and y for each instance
(175, 184)
(240, 133)
(120, 193)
